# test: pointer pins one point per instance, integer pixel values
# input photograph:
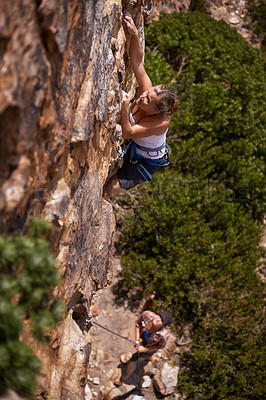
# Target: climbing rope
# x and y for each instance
(89, 321)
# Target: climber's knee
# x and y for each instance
(112, 188)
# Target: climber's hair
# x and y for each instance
(169, 102)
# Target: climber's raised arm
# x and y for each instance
(136, 54)
(145, 123)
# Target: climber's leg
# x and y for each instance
(138, 360)
(114, 171)
(113, 187)
(131, 366)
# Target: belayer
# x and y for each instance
(145, 123)
(151, 335)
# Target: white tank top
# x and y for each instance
(151, 142)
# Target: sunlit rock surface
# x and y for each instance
(63, 67)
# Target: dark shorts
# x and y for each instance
(128, 174)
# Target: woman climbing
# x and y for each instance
(145, 123)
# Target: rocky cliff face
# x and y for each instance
(63, 67)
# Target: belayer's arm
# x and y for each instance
(137, 333)
(136, 55)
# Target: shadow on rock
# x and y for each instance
(130, 299)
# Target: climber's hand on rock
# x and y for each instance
(124, 119)
(129, 23)
(125, 106)
(125, 96)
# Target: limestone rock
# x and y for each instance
(13, 188)
(125, 389)
(71, 347)
(58, 202)
(101, 354)
(88, 393)
(108, 391)
(165, 380)
(96, 381)
(235, 13)
(146, 382)
(63, 67)
(94, 310)
(114, 374)
(232, 19)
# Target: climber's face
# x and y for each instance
(147, 101)
(157, 322)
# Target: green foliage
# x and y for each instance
(220, 80)
(193, 237)
(257, 12)
(27, 277)
(199, 5)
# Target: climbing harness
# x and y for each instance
(136, 158)
(162, 162)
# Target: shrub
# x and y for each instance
(194, 236)
(257, 12)
(199, 5)
(27, 277)
(222, 89)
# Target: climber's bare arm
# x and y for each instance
(142, 349)
(137, 333)
(153, 125)
(136, 55)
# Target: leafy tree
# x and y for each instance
(193, 235)
(257, 12)
(220, 79)
(199, 5)
(27, 277)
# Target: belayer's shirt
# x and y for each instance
(158, 338)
